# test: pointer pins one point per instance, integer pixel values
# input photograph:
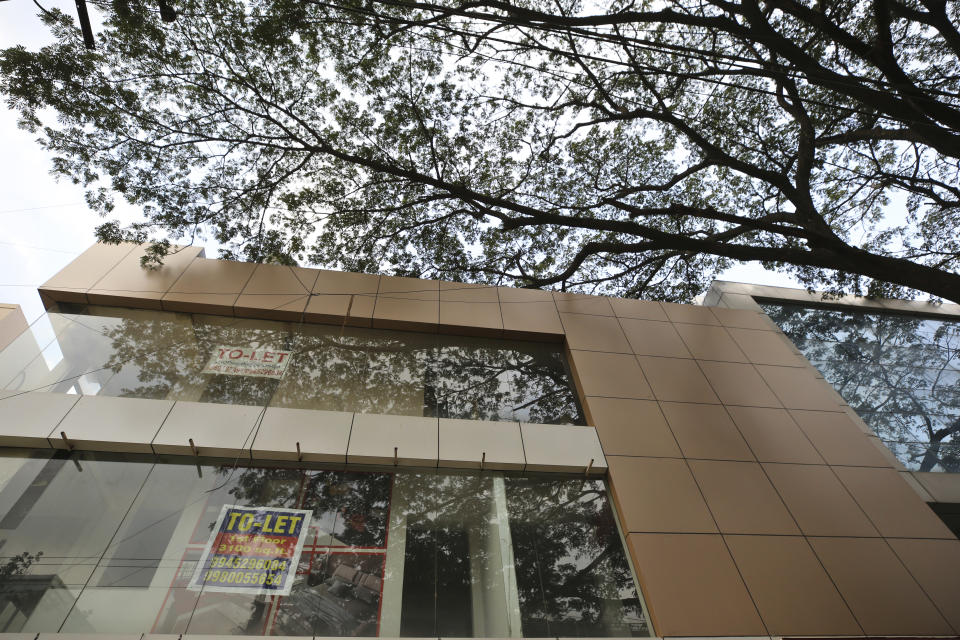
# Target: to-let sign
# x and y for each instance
(246, 361)
(252, 550)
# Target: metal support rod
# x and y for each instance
(483, 460)
(194, 448)
(299, 453)
(589, 466)
(63, 434)
(396, 460)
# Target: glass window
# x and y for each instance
(386, 553)
(901, 374)
(153, 354)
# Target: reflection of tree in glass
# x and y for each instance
(573, 577)
(352, 506)
(167, 355)
(331, 368)
(899, 373)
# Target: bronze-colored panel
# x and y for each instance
(469, 309)
(767, 347)
(793, 593)
(739, 384)
(688, 313)
(943, 487)
(594, 333)
(692, 587)
(611, 375)
(408, 304)
(891, 504)
(799, 388)
(935, 564)
(71, 283)
(676, 380)
(705, 431)
(883, 596)
(129, 284)
(208, 286)
(708, 342)
(631, 427)
(838, 439)
(345, 283)
(773, 436)
(653, 338)
(657, 494)
(276, 292)
(818, 502)
(529, 314)
(331, 309)
(578, 303)
(639, 309)
(741, 498)
(743, 318)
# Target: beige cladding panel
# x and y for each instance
(217, 430)
(394, 440)
(609, 375)
(882, 594)
(594, 333)
(943, 487)
(630, 427)
(838, 439)
(104, 423)
(658, 495)
(935, 565)
(891, 504)
(790, 588)
(71, 283)
(577, 303)
(26, 419)
(474, 444)
(275, 292)
(407, 304)
(741, 498)
(346, 298)
(209, 286)
(529, 314)
(131, 284)
(708, 342)
(292, 434)
(692, 586)
(552, 447)
(470, 309)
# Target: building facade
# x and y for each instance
(224, 448)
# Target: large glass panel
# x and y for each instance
(153, 354)
(113, 544)
(573, 577)
(901, 374)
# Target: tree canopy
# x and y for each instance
(632, 147)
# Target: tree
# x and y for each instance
(626, 147)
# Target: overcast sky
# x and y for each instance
(45, 223)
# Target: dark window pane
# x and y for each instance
(572, 574)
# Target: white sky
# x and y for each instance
(45, 223)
